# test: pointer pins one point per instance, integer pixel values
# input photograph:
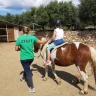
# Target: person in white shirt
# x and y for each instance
(57, 39)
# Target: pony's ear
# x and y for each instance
(47, 37)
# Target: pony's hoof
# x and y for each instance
(58, 82)
(82, 92)
(44, 79)
(86, 92)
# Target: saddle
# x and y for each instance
(52, 50)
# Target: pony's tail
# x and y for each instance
(93, 58)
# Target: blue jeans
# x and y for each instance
(52, 45)
(55, 43)
(26, 66)
(58, 42)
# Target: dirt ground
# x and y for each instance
(10, 84)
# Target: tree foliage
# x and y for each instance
(71, 16)
(87, 11)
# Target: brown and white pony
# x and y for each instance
(68, 54)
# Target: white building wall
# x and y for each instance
(16, 32)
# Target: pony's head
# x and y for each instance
(38, 46)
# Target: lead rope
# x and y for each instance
(39, 56)
(40, 53)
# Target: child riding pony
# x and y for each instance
(68, 54)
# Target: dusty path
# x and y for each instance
(10, 85)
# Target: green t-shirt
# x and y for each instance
(26, 43)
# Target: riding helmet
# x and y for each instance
(57, 22)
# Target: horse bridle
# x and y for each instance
(40, 52)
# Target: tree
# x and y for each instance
(65, 11)
(15, 19)
(52, 11)
(41, 16)
(69, 14)
(87, 11)
(44, 15)
(2, 18)
(9, 17)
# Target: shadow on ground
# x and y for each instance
(71, 79)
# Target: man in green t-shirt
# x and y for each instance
(25, 44)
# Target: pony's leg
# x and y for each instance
(85, 90)
(78, 78)
(53, 71)
(85, 78)
(46, 73)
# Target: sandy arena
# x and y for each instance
(10, 84)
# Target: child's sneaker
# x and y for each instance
(31, 90)
(47, 63)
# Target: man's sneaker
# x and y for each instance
(47, 63)
(22, 78)
(31, 90)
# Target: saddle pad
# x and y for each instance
(58, 46)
